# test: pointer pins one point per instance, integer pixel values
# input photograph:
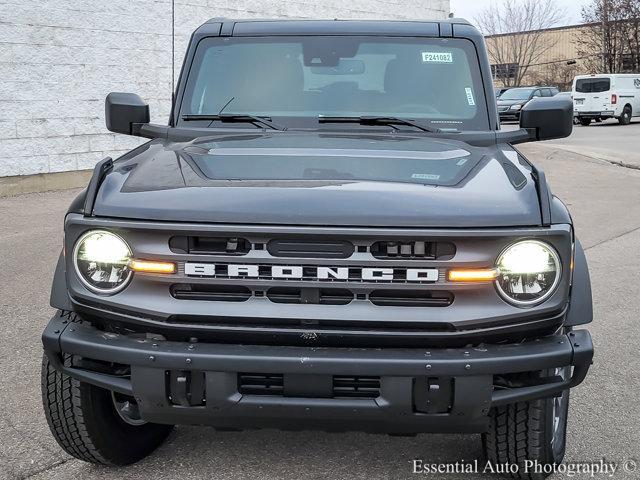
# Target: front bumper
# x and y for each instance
(510, 115)
(411, 381)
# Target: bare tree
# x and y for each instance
(557, 72)
(526, 18)
(610, 41)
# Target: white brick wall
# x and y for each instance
(60, 58)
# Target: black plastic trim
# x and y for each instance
(59, 297)
(580, 310)
(544, 195)
(99, 172)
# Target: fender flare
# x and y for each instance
(580, 310)
(59, 294)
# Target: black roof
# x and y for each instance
(249, 27)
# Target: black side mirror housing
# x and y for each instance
(548, 117)
(125, 113)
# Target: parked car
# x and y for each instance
(499, 91)
(603, 96)
(333, 233)
(511, 102)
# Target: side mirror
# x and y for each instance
(125, 113)
(548, 117)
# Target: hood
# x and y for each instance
(168, 181)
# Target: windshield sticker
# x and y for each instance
(437, 57)
(461, 162)
(470, 98)
(425, 176)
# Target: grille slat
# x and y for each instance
(310, 249)
(201, 245)
(356, 387)
(411, 298)
(260, 384)
(212, 293)
(343, 386)
(413, 250)
(333, 296)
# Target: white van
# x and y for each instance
(597, 97)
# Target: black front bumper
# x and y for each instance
(410, 380)
(509, 115)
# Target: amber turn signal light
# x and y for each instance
(473, 275)
(152, 267)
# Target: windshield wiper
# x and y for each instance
(372, 120)
(234, 117)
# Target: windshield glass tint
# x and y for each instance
(517, 94)
(428, 79)
(592, 85)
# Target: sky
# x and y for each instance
(469, 8)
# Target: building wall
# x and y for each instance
(60, 58)
(563, 41)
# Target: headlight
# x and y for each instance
(102, 261)
(516, 107)
(528, 272)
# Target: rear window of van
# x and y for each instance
(593, 85)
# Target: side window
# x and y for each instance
(536, 94)
(546, 92)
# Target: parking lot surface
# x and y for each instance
(606, 140)
(604, 415)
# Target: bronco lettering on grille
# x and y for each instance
(298, 272)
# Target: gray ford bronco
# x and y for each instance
(332, 232)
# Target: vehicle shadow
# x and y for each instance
(206, 453)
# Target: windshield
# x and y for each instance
(517, 94)
(295, 80)
(593, 85)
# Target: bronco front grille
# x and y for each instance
(310, 285)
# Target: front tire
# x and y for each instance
(529, 431)
(585, 122)
(84, 421)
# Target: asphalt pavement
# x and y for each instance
(604, 415)
(607, 140)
